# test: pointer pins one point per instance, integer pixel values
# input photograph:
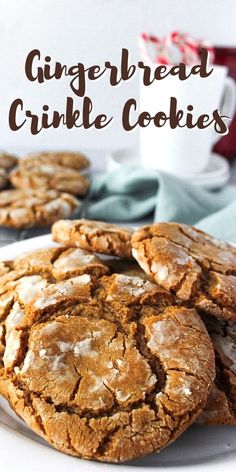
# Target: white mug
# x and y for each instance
(183, 151)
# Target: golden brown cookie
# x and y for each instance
(4, 179)
(5, 266)
(95, 236)
(74, 160)
(191, 264)
(7, 161)
(16, 289)
(101, 369)
(61, 263)
(47, 176)
(28, 208)
(221, 404)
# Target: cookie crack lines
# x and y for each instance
(219, 244)
(197, 268)
(90, 414)
(96, 362)
(36, 416)
(76, 387)
(75, 410)
(192, 254)
(29, 207)
(104, 443)
(180, 287)
(154, 362)
(70, 443)
(96, 236)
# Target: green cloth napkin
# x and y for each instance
(133, 193)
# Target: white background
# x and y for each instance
(90, 31)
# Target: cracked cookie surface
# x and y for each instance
(102, 369)
(60, 263)
(221, 404)
(49, 176)
(22, 278)
(95, 236)
(191, 264)
(74, 160)
(28, 208)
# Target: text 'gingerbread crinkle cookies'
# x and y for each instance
(49, 176)
(28, 208)
(108, 369)
(95, 236)
(191, 264)
(74, 160)
(221, 404)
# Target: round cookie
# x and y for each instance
(190, 263)
(4, 179)
(70, 373)
(74, 160)
(221, 404)
(48, 176)
(28, 208)
(95, 236)
(7, 161)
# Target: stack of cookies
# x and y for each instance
(45, 187)
(111, 358)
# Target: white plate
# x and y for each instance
(201, 448)
(214, 176)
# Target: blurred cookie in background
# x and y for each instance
(40, 176)
(74, 160)
(28, 208)
(7, 161)
(4, 180)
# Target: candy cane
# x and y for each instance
(189, 48)
(159, 48)
(142, 43)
